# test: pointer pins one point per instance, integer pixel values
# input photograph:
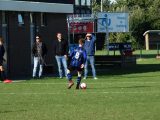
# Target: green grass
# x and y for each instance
(118, 94)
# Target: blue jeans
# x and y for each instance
(36, 64)
(61, 60)
(91, 60)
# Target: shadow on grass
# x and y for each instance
(140, 68)
(10, 111)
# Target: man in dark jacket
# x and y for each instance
(61, 52)
(39, 51)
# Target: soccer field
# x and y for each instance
(118, 94)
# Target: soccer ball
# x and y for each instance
(83, 85)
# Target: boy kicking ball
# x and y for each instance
(77, 59)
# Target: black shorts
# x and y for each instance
(1, 63)
(72, 68)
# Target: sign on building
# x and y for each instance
(81, 27)
(80, 23)
(113, 22)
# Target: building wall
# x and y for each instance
(0, 24)
(50, 1)
(21, 37)
(19, 61)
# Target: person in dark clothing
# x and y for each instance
(77, 60)
(39, 50)
(121, 49)
(61, 52)
(2, 52)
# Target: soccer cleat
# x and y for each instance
(95, 78)
(77, 87)
(71, 83)
(40, 77)
(85, 78)
(7, 81)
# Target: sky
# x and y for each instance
(112, 0)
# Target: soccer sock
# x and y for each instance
(69, 76)
(78, 80)
(3, 75)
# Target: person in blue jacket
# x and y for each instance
(89, 46)
(76, 61)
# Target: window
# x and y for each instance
(88, 3)
(4, 18)
(77, 2)
(20, 19)
(43, 20)
(83, 2)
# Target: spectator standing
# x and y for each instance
(61, 52)
(39, 51)
(89, 46)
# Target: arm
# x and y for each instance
(3, 50)
(84, 59)
(44, 49)
(33, 49)
(67, 48)
(93, 38)
(54, 47)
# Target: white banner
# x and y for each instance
(116, 22)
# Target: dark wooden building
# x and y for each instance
(20, 21)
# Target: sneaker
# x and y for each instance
(71, 83)
(60, 77)
(40, 77)
(85, 78)
(7, 81)
(77, 87)
(95, 78)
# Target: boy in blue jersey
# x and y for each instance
(77, 59)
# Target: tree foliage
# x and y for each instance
(143, 15)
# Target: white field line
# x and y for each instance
(83, 92)
(40, 83)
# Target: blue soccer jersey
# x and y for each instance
(78, 57)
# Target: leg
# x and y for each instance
(64, 61)
(93, 66)
(69, 76)
(86, 68)
(35, 66)
(40, 70)
(3, 75)
(79, 79)
(58, 59)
